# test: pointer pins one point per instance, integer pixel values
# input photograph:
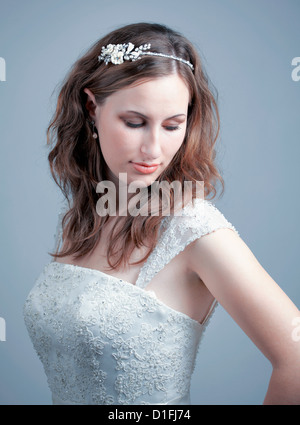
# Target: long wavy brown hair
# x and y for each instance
(77, 164)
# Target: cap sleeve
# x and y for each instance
(198, 218)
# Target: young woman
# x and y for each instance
(117, 317)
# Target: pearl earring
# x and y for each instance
(95, 135)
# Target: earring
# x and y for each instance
(95, 135)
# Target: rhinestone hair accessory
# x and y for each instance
(118, 53)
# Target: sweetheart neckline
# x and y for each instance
(144, 290)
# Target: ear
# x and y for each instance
(91, 103)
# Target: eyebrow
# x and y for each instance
(145, 116)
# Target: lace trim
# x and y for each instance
(196, 221)
(198, 218)
(100, 274)
(80, 323)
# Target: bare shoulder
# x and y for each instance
(220, 250)
(216, 241)
(248, 293)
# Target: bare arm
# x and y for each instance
(254, 300)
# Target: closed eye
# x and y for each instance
(133, 125)
(139, 125)
(172, 128)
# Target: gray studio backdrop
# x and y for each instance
(248, 47)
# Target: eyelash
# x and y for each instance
(136, 126)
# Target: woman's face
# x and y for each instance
(141, 128)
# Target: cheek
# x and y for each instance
(175, 145)
(127, 141)
(119, 145)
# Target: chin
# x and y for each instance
(141, 182)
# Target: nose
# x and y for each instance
(151, 144)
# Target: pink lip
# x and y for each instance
(144, 168)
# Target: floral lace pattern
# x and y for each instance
(86, 328)
(103, 340)
(195, 221)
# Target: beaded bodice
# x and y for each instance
(103, 340)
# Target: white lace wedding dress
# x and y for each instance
(103, 340)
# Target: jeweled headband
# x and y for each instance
(118, 53)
